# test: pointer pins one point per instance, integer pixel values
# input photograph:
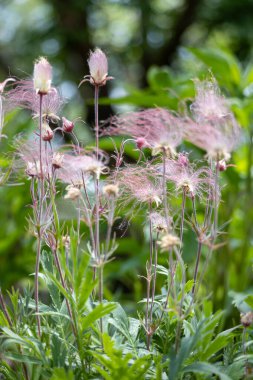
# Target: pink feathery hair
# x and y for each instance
(24, 96)
(187, 177)
(141, 184)
(157, 126)
(213, 128)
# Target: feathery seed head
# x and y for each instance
(168, 242)
(111, 190)
(157, 128)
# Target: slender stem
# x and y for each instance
(216, 184)
(154, 277)
(41, 184)
(165, 204)
(215, 223)
(194, 211)
(182, 219)
(109, 226)
(149, 278)
(97, 241)
(196, 268)
(179, 324)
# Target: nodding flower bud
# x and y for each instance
(141, 143)
(67, 125)
(111, 190)
(221, 165)
(168, 241)
(73, 193)
(47, 133)
(42, 76)
(247, 319)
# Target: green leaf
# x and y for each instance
(61, 374)
(98, 312)
(249, 301)
(159, 78)
(206, 368)
(22, 358)
(224, 65)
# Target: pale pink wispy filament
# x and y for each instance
(24, 96)
(140, 184)
(188, 178)
(76, 168)
(157, 126)
(213, 127)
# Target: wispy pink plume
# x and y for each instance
(76, 168)
(156, 126)
(213, 128)
(24, 96)
(187, 177)
(29, 159)
(141, 184)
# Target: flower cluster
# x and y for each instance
(213, 127)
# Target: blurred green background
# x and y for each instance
(155, 49)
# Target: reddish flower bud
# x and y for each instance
(67, 125)
(221, 165)
(141, 143)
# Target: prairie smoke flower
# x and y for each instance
(76, 169)
(42, 76)
(214, 128)
(98, 66)
(158, 221)
(57, 160)
(111, 190)
(73, 193)
(33, 169)
(187, 178)
(140, 184)
(156, 128)
(29, 159)
(217, 140)
(209, 104)
(168, 242)
(24, 96)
